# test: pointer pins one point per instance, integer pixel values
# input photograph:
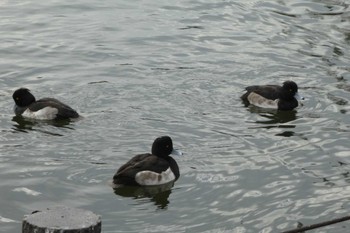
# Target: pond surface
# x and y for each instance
(136, 70)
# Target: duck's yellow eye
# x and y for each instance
(17, 98)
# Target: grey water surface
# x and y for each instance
(136, 70)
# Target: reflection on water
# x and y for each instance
(273, 116)
(22, 124)
(158, 194)
(25, 124)
(286, 134)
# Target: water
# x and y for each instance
(140, 69)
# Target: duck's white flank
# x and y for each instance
(153, 178)
(47, 113)
(261, 101)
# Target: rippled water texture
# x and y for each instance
(136, 70)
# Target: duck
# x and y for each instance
(283, 97)
(43, 109)
(149, 169)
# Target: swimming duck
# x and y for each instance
(154, 168)
(283, 97)
(43, 109)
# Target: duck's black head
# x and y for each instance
(289, 89)
(23, 97)
(162, 146)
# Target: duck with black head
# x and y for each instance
(283, 97)
(43, 109)
(156, 168)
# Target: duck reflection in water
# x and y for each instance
(275, 119)
(24, 124)
(273, 116)
(159, 194)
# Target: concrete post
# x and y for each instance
(62, 219)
